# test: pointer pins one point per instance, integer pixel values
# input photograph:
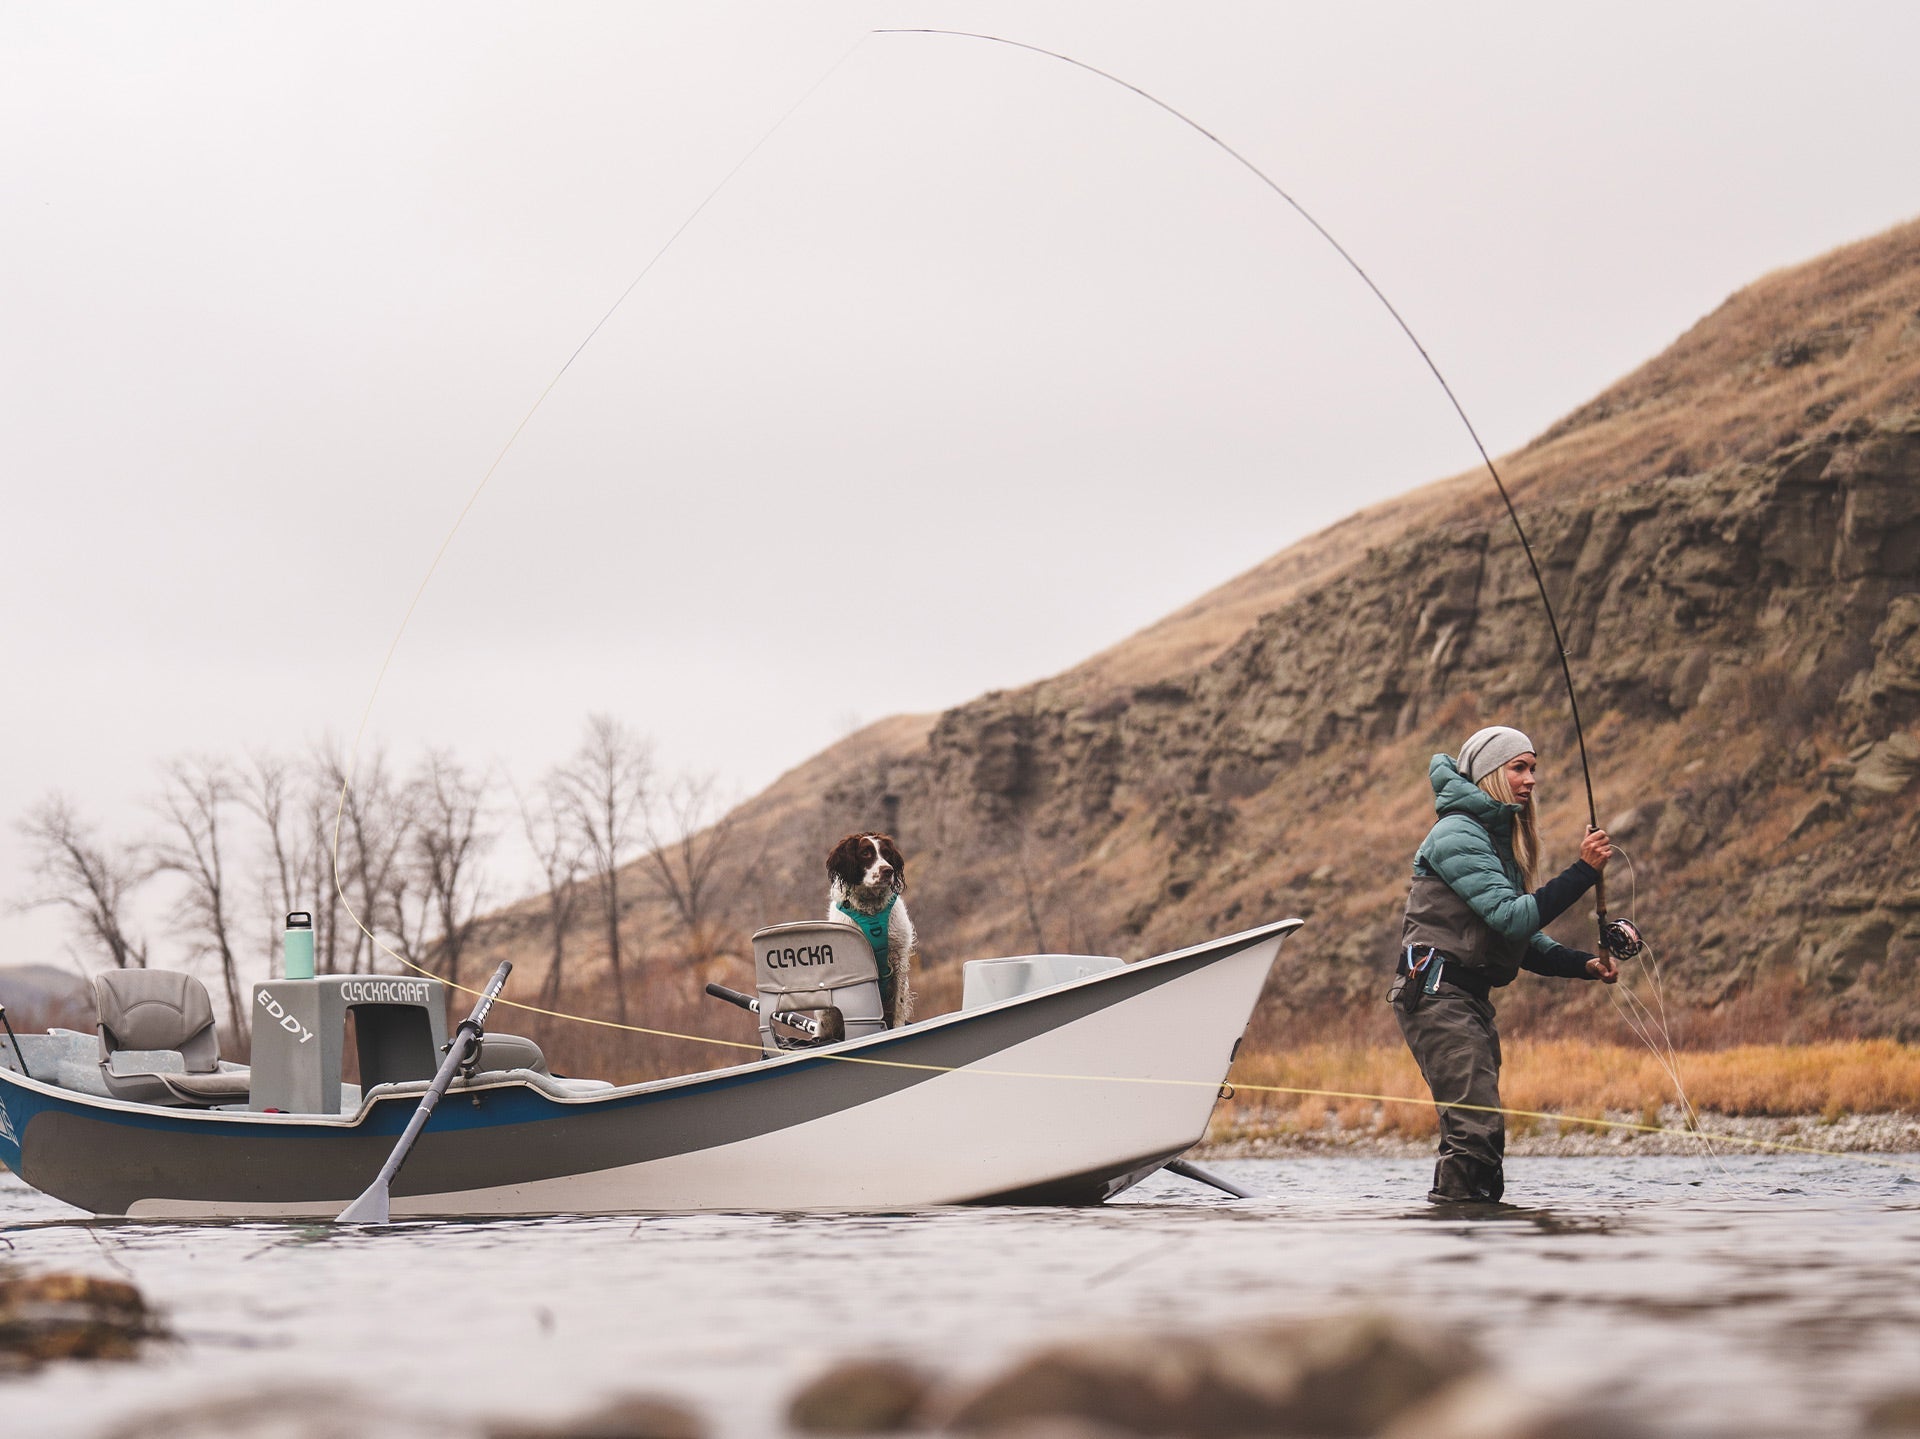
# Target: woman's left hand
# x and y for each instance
(1604, 968)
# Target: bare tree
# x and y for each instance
(552, 839)
(318, 812)
(286, 799)
(368, 819)
(605, 787)
(450, 836)
(195, 804)
(266, 788)
(93, 880)
(408, 909)
(686, 839)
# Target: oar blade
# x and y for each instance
(369, 1208)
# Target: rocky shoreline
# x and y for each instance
(1849, 1134)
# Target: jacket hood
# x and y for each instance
(1454, 793)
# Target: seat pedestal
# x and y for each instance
(299, 1036)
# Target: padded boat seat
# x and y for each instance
(509, 1051)
(157, 1040)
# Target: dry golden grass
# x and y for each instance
(1833, 337)
(1576, 1078)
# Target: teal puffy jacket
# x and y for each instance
(1470, 849)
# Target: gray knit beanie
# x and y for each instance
(1490, 748)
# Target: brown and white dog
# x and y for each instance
(866, 885)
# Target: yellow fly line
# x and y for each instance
(1303, 1092)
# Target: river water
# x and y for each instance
(1752, 1296)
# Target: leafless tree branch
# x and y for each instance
(451, 834)
(194, 805)
(92, 880)
(688, 832)
(605, 787)
(551, 838)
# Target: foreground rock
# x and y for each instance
(633, 1416)
(862, 1396)
(1895, 1414)
(288, 1411)
(1347, 1375)
(71, 1316)
(1486, 1408)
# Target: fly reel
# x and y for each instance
(1621, 938)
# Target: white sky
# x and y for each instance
(978, 366)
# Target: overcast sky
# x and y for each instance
(980, 364)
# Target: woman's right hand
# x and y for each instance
(1596, 849)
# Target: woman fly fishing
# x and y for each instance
(1473, 922)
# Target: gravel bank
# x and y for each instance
(1851, 1134)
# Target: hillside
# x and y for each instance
(1732, 536)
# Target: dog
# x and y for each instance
(867, 885)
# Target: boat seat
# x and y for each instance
(811, 967)
(157, 1040)
(509, 1051)
(988, 981)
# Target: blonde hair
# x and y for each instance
(1526, 834)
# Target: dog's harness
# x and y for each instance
(874, 926)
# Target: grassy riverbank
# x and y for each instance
(1776, 1091)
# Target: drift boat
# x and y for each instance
(1064, 1080)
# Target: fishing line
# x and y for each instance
(1559, 645)
(1642, 1026)
(1623, 942)
(1290, 1090)
(1670, 1061)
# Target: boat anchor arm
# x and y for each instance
(1187, 1169)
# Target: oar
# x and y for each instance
(830, 1030)
(1187, 1169)
(371, 1207)
(16, 1042)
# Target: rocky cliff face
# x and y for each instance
(1747, 646)
(1732, 540)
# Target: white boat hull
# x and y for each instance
(1067, 1095)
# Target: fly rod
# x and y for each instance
(1617, 936)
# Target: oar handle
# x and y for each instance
(734, 996)
(806, 1024)
(17, 1053)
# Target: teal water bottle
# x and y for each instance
(298, 946)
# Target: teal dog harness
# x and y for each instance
(874, 926)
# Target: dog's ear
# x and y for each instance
(844, 864)
(890, 852)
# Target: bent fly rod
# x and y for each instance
(1618, 937)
